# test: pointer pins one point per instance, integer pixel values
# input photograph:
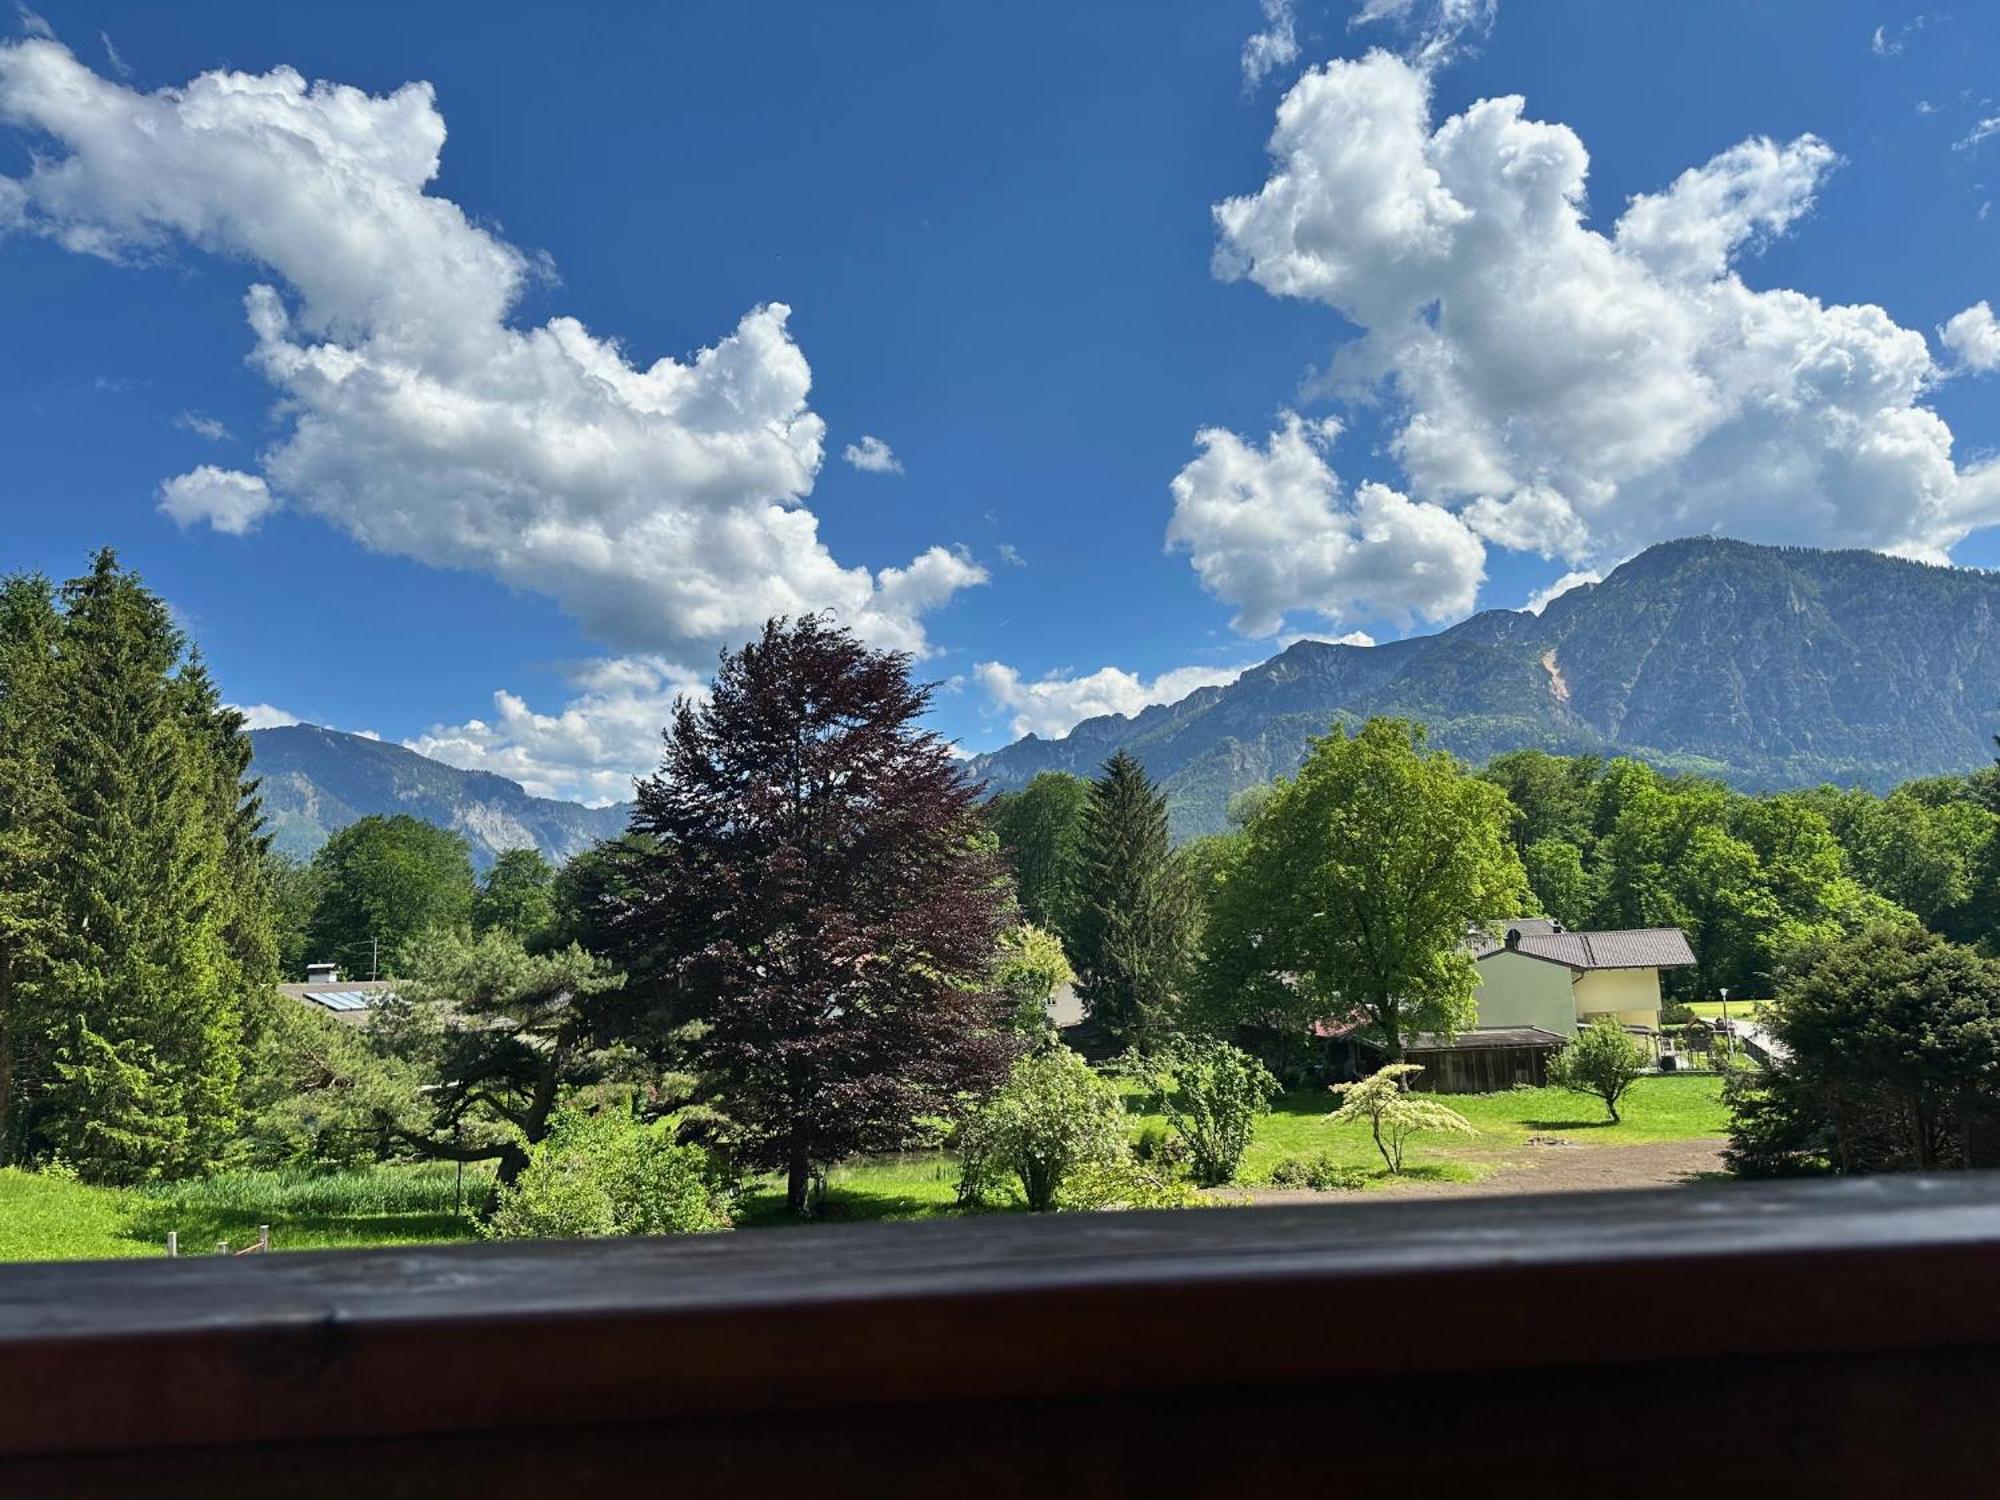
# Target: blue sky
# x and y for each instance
(1418, 367)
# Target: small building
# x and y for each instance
(350, 1000)
(1537, 974)
(1538, 986)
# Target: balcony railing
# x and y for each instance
(1851, 1337)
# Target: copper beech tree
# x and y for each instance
(814, 887)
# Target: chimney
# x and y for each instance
(1513, 937)
(322, 973)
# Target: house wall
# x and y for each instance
(1630, 995)
(1515, 990)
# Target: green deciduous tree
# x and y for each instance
(1212, 1095)
(1602, 1061)
(1041, 832)
(1031, 967)
(1359, 885)
(1053, 1122)
(1393, 1114)
(1134, 922)
(518, 895)
(383, 883)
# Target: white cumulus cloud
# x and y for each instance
(872, 456)
(591, 748)
(659, 502)
(1583, 393)
(1055, 704)
(1271, 530)
(1973, 337)
(228, 499)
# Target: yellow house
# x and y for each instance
(1536, 974)
(1537, 985)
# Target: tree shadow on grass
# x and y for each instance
(1569, 1124)
(764, 1208)
(1304, 1102)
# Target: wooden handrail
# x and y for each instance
(1496, 1339)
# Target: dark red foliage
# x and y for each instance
(817, 892)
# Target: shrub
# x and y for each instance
(1212, 1095)
(1319, 1172)
(1052, 1121)
(1600, 1060)
(1393, 1113)
(606, 1174)
(1126, 1182)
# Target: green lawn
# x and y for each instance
(52, 1218)
(1741, 1010)
(1658, 1109)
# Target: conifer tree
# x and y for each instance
(28, 627)
(133, 917)
(1134, 919)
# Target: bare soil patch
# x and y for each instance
(1535, 1168)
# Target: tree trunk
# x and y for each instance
(1391, 1015)
(798, 1185)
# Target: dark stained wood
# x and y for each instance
(1529, 1345)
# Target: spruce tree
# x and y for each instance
(133, 919)
(1133, 924)
(28, 806)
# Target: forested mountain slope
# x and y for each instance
(1768, 666)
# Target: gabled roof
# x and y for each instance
(1628, 948)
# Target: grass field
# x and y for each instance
(1741, 1010)
(52, 1218)
(1657, 1109)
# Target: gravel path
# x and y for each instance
(1560, 1168)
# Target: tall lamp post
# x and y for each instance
(1725, 1007)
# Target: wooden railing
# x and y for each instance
(1476, 1346)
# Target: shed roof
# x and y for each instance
(1484, 1037)
(347, 999)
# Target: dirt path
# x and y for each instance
(1542, 1169)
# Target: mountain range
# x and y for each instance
(1767, 666)
(316, 781)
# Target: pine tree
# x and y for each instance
(816, 891)
(1134, 921)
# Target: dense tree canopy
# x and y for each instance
(1041, 834)
(385, 882)
(816, 894)
(518, 895)
(1356, 888)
